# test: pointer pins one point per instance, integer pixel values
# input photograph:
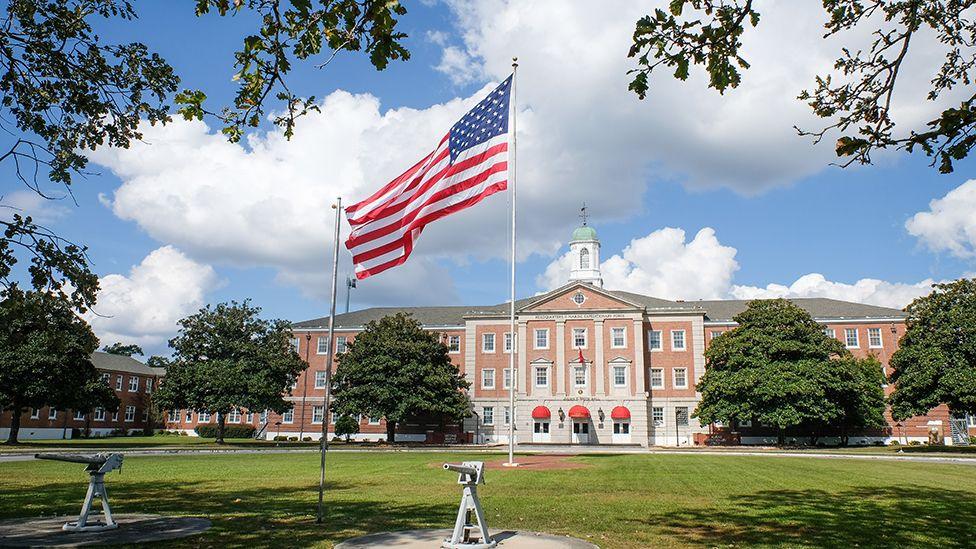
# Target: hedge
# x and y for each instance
(230, 431)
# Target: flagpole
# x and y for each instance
(511, 356)
(324, 441)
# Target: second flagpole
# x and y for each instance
(513, 384)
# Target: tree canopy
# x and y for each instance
(936, 358)
(118, 348)
(855, 100)
(226, 357)
(778, 367)
(397, 370)
(45, 358)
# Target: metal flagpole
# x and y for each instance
(324, 442)
(511, 356)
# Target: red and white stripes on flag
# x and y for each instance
(469, 164)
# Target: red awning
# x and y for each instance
(579, 412)
(541, 412)
(620, 412)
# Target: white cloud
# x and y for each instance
(950, 223)
(29, 203)
(144, 306)
(664, 264)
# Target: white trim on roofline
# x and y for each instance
(360, 328)
(823, 320)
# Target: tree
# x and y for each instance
(855, 100)
(65, 91)
(346, 426)
(778, 367)
(45, 358)
(936, 358)
(396, 370)
(227, 358)
(118, 348)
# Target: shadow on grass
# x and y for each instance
(242, 517)
(871, 517)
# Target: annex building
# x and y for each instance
(642, 359)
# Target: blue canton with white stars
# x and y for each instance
(486, 120)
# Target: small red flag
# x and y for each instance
(582, 360)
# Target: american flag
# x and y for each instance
(469, 164)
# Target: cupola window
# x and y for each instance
(584, 258)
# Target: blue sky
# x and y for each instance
(683, 159)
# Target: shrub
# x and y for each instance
(895, 443)
(230, 431)
(915, 443)
(280, 438)
(307, 439)
(292, 439)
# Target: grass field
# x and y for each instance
(260, 500)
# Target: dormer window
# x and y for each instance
(584, 258)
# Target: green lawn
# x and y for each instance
(258, 500)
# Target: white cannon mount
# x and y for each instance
(96, 467)
(470, 475)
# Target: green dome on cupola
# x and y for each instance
(584, 232)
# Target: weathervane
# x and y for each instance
(583, 213)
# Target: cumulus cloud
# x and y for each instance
(950, 222)
(144, 306)
(26, 202)
(665, 264)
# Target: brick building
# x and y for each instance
(133, 382)
(642, 359)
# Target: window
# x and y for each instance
(79, 415)
(320, 379)
(850, 337)
(488, 415)
(618, 338)
(99, 414)
(340, 344)
(681, 416)
(540, 427)
(234, 416)
(579, 376)
(145, 414)
(971, 420)
(454, 344)
(35, 413)
(541, 376)
(508, 342)
(295, 344)
(654, 340)
(288, 417)
(189, 416)
(133, 384)
(874, 337)
(716, 333)
(52, 414)
(584, 259)
(173, 416)
(374, 420)
(657, 416)
(118, 383)
(621, 427)
(829, 332)
(130, 414)
(488, 343)
(542, 339)
(507, 378)
(487, 378)
(149, 385)
(508, 415)
(657, 378)
(263, 417)
(884, 376)
(680, 378)
(203, 417)
(107, 378)
(677, 340)
(579, 338)
(579, 298)
(619, 376)
(745, 423)
(323, 346)
(115, 415)
(249, 418)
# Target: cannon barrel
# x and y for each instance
(459, 468)
(97, 459)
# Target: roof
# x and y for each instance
(714, 310)
(584, 232)
(122, 363)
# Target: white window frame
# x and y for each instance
(130, 414)
(322, 345)
(880, 344)
(52, 414)
(485, 339)
(115, 415)
(296, 344)
(544, 332)
(674, 378)
(586, 375)
(203, 417)
(35, 413)
(715, 333)
(453, 344)
(133, 384)
(341, 342)
(508, 341)
(660, 341)
(655, 420)
(173, 417)
(288, 417)
(107, 378)
(119, 381)
(506, 415)
(99, 414)
(149, 385)
(586, 338)
(188, 415)
(373, 420)
(830, 332)
(621, 426)
(79, 415)
(507, 378)
(319, 382)
(234, 416)
(745, 423)
(488, 378)
(684, 340)
(623, 337)
(488, 415)
(847, 338)
(660, 371)
(614, 368)
(544, 370)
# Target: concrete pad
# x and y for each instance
(427, 539)
(133, 528)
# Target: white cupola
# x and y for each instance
(584, 249)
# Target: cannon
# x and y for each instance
(470, 475)
(96, 467)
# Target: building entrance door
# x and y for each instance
(540, 431)
(581, 432)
